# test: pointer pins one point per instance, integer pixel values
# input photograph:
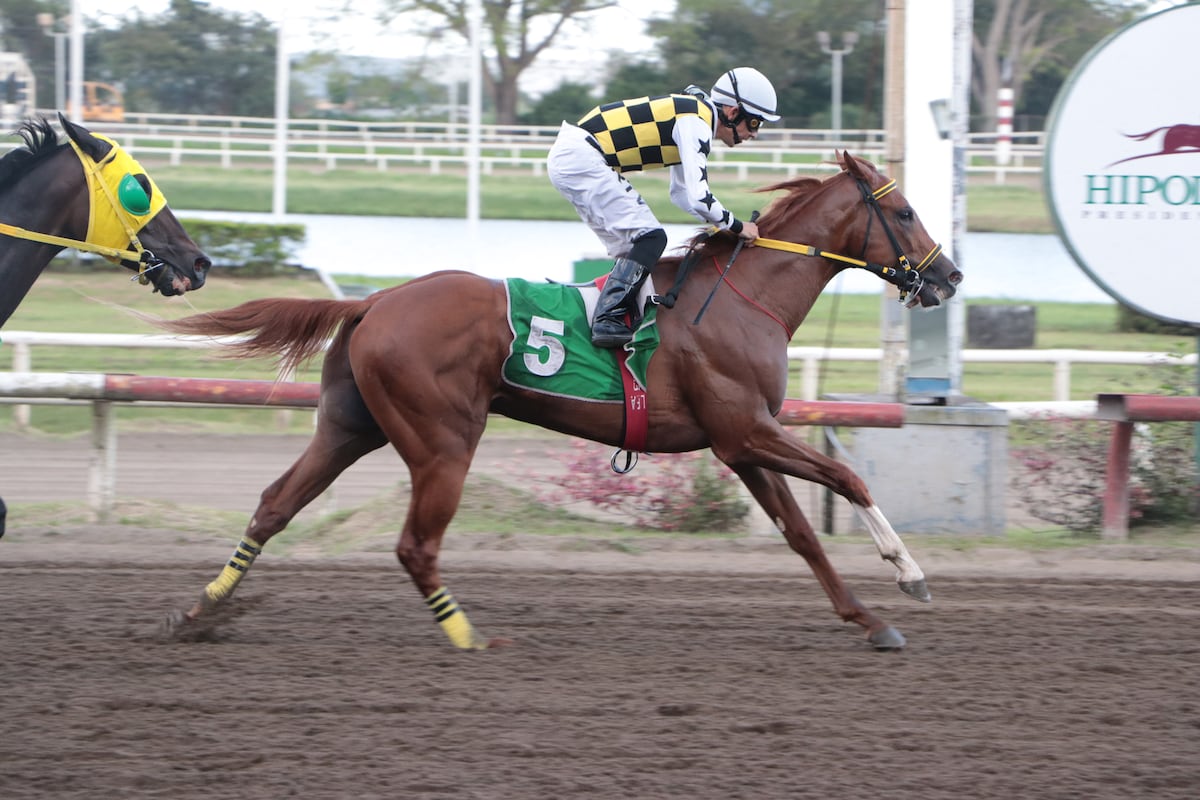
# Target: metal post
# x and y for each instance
(849, 39)
(48, 23)
(22, 362)
(102, 472)
(75, 85)
(1115, 524)
(282, 73)
(894, 331)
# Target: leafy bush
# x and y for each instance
(1061, 469)
(256, 249)
(668, 492)
(1129, 320)
(1059, 477)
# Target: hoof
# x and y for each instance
(916, 589)
(172, 626)
(887, 639)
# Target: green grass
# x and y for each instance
(105, 302)
(511, 194)
(102, 301)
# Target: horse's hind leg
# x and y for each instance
(438, 450)
(772, 493)
(345, 433)
(437, 489)
(325, 458)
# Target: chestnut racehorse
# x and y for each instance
(420, 366)
(87, 194)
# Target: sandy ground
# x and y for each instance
(667, 669)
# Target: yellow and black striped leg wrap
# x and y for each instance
(233, 572)
(454, 621)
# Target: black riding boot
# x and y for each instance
(618, 297)
(3, 515)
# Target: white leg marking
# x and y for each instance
(889, 544)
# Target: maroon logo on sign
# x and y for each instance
(1185, 138)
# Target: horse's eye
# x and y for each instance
(134, 193)
(906, 214)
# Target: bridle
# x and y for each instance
(139, 257)
(905, 277)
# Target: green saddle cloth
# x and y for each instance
(552, 351)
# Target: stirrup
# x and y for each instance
(631, 460)
(610, 339)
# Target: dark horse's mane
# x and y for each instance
(40, 141)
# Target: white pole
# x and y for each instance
(474, 118)
(279, 194)
(1004, 126)
(76, 56)
(960, 103)
(836, 101)
(60, 69)
(893, 325)
(1004, 119)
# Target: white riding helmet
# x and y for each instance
(747, 87)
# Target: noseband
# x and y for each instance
(905, 277)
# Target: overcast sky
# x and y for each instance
(309, 26)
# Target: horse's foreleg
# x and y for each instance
(908, 575)
(774, 449)
(771, 491)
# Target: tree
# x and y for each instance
(190, 59)
(637, 78)
(567, 101)
(515, 32)
(706, 37)
(1016, 40)
(20, 32)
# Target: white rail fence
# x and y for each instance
(230, 142)
(807, 360)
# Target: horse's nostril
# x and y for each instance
(955, 278)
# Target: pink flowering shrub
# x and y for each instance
(1059, 474)
(667, 492)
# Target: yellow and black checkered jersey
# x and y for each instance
(636, 134)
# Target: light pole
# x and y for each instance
(49, 27)
(849, 39)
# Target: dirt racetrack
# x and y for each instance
(707, 669)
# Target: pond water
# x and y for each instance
(1031, 267)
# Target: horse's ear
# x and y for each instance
(81, 136)
(852, 165)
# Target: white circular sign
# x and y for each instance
(1122, 171)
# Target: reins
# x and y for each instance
(906, 277)
(145, 259)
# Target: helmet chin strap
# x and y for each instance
(733, 124)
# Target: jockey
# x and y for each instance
(676, 131)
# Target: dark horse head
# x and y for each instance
(89, 194)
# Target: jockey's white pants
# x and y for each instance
(607, 202)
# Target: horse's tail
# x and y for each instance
(1141, 137)
(291, 329)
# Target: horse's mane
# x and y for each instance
(40, 141)
(797, 192)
